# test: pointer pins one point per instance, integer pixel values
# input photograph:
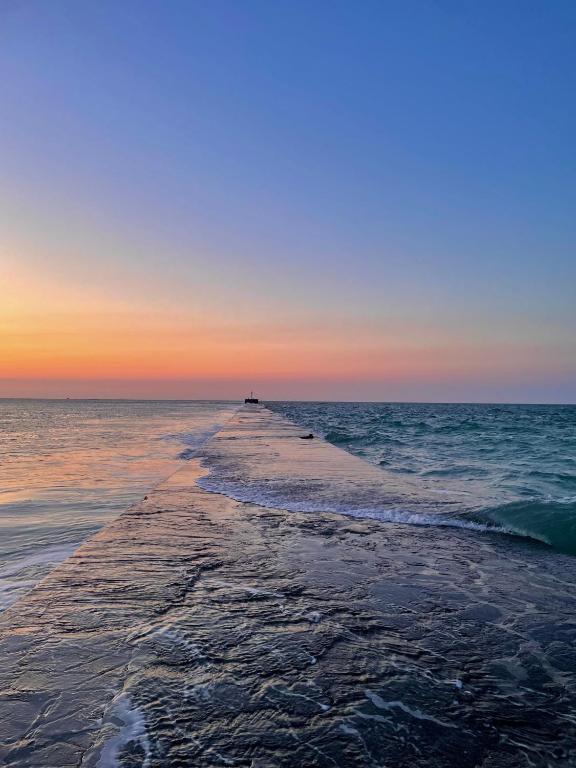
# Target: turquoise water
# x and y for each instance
(67, 467)
(510, 467)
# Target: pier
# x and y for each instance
(207, 627)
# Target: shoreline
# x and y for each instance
(199, 628)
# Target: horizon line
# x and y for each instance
(285, 400)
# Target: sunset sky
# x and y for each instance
(368, 200)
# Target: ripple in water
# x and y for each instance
(513, 467)
(70, 466)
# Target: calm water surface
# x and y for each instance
(67, 467)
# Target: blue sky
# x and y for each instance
(402, 172)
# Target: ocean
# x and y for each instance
(508, 468)
(196, 630)
(68, 467)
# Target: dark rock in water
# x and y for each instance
(198, 630)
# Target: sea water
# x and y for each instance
(322, 641)
(67, 467)
(491, 467)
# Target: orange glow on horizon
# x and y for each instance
(80, 346)
(50, 330)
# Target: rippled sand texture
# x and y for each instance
(200, 631)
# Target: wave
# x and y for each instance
(263, 497)
(193, 440)
(514, 463)
(129, 725)
(551, 522)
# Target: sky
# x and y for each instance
(316, 200)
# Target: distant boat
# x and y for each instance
(251, 399)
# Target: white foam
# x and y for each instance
(195, 440)
(379, 702)
(262, 498)
(133, 729)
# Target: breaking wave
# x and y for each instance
(263, 498)
(512, 466)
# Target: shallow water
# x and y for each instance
(195, 630)
(510, 467)
(67, 467)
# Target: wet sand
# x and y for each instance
(199, 630)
